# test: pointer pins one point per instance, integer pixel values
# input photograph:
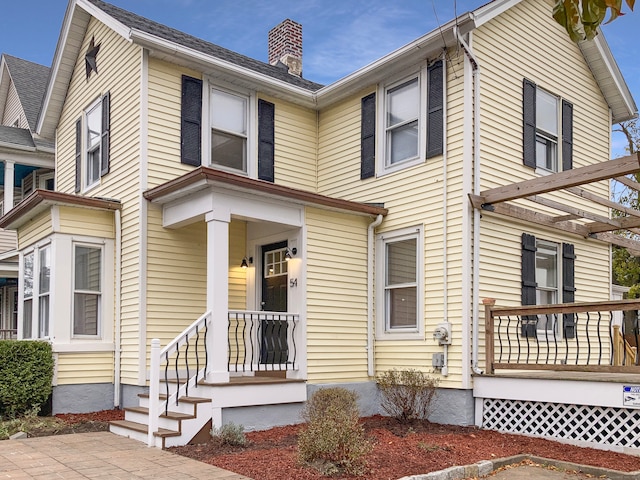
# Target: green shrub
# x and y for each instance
(333, 441)
(26, 372)
(407, 394)
(230, 434)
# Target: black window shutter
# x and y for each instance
(191, 121)
(568, 288)
(529, 323)
(78, 155)
(529, 123)
(105, 138)
(368, 137)
(435, 110)
(266, 140)
(567, 135)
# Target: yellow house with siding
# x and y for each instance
(225, 232)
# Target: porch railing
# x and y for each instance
(573, 336)
(181, 364)
(262, 341)
(8, 334)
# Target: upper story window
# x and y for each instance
(402, 122)
(234, 129)
(548, 130)
(93, 144)
(407, 126)
(229, 115)
(400, 284)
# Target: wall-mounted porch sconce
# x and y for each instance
(244, 263)
(290, 252)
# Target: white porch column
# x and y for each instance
(8, 185)
(218, 293)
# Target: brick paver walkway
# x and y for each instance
(99, 455)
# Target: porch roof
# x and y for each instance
(203, 177)
(41, 200)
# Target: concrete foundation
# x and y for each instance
(84, 398)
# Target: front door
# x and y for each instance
(275, 279)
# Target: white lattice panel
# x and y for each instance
(602, 425)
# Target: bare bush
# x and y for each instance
(407, 394)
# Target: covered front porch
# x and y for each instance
(249, 347)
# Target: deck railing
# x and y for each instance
(588, 337)
(8, 334)
(262, 341)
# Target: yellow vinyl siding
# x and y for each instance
(84, 221)
(35, 230)
(8, 240)
(82, 368)
(508, 50)
(13, 110)
(237, 275)
(336, 296)
(295, 145)
(119, 66)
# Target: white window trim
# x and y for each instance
(35, 296)
(382, 332)
(383, 168)
(85, 147)
(252, 127)
(544, 332)
(101, 247)
(541, 170)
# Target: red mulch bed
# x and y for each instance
(399, 450)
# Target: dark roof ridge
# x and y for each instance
(165, 32)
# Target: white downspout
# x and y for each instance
(445, 197)
(370, 265)
(475, 296)
(118, 333)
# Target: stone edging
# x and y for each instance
(486, 467)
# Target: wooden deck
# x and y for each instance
(608, 377)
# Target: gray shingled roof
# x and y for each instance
(137, 22)
(20, 137)
(30, 80)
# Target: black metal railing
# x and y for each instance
(598, 336)
(262, 341)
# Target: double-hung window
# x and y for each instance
(402, 122)
(93, 144)
(547, 275)
(547, 129)
(87, 291)
(229, 115)
(547, 111)
(92, 138)
(399, 279)
(36, 293)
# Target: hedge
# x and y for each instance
(26, 372)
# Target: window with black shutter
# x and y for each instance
(547, 141)
(93, 144)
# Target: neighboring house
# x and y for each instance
(26, 163)
(309, 235)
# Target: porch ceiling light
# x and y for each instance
(244, 263)
(290, 253)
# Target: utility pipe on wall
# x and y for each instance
(118, 333)
(475, 296)
(370, 264)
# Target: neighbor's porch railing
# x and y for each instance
(571, 336)
(262, 341)
(8, 334)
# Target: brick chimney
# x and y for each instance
(285, 46)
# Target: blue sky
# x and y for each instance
(340, 36)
